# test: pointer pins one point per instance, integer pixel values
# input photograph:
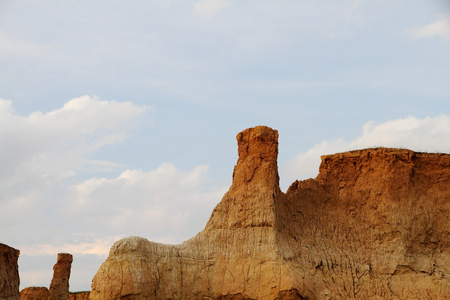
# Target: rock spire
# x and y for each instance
(59, 287)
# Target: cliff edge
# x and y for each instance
(373, 224)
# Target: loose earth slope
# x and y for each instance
(373, 224)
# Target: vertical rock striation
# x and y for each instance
(373, 225)
(59, 287)
(9, 273)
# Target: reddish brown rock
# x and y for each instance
(34, 293)
(9, 273)
(59, 287)
(373, 225)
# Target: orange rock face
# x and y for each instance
(34, 293)
(373, 225)
(59, 287)
(9, 273)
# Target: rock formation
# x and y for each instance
(9, 273)
(374, 224)
(34, 293)
(59, 287)
(41, 293)
(79, 296)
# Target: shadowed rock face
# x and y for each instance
(373, 224)
(59, 287)
(9, 273)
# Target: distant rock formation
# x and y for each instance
(9, 273)
(374, 224)
(79, 296)
(59, 287)
(34, 293)
(41, 293)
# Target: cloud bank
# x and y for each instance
(165, 205)
(40, 151)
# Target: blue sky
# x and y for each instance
(119, 118)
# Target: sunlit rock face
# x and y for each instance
(9, 273)
(373, 224)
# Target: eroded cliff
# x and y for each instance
(9, 273)
(373, 224)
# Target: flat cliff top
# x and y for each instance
(401, 152)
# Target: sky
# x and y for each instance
(119, 118)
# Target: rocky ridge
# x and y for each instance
(373, 225)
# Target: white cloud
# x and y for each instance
(165, 204)
(441, 27)
(40, 140)
(39, 151)
(56, 142)
(208, 9)
(427, 135)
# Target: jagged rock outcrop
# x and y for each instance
(34, 293)
(59, 287)
(9, 273)
(374, 224)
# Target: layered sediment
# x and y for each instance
(373, 224)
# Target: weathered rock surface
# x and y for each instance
(59, 287)
(41, 293)
(34, 293)
(9, 273)
(79, 296)
(374, 224)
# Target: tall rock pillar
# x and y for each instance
(256, 168)
(9, 273)
(250, 201)
(59, 287)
